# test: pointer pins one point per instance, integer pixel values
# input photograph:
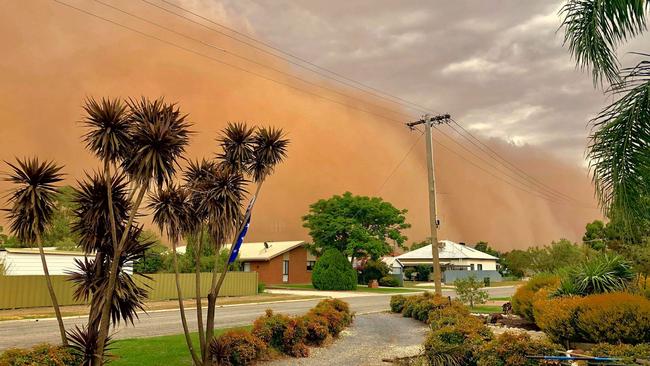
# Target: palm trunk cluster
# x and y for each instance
(210, 201)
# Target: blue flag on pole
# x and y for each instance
(240, 240)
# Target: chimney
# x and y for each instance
(462, 243)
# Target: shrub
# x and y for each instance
(236, 348)
(388, 281)
(448, 315)
(408, 273)
(522, 301)
(333, 272)
(511, 349)
(423, 272)
(626, 352)
(373, 270)
(397, 303)
(317, 329)
(558, 318)
(455, 345)
(336, 312)
(281, 332)
(419, 306)
(261, 287)
(42, 355)
(615, 318)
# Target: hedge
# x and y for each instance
(333, 271)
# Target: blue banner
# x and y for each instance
(240, 240)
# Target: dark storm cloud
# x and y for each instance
(498, 66)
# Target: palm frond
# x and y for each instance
(269, 149)
(93, 221)
(237, 147)
(84, 279)
(32, 200)
(83, 342)
(618, 150)
(594, 28)
(222, 199)
(109, 135)
(160, 136)
(171, 210)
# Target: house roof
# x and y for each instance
(448, 251)
(258, 252)
(391, 261)
(48, 251)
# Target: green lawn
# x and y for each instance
(360, 288)
(156, 351)
(486, 309)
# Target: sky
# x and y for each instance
(498, 67)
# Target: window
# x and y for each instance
(479, 267)
(247, 266)
(285, 271)
(310, 265)
(471, 267)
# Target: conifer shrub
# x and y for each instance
(333, 271)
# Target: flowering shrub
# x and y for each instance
(522, 301)
(511, 349)
(42, 355)
(558, 318)
(236, 348)
(282, 332)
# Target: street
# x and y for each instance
(25, 333)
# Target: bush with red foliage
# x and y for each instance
(236, 348)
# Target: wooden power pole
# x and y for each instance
(428, 121)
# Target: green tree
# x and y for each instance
(484, 247)
(595, 235)
(60, 234)
(373, 270)
(517, 263)
(357, 226)
(420, 244)
(469, 291)
(618, 151)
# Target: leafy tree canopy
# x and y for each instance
(357, 226)
(484, 247)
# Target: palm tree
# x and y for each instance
(171, 214)
(32, 204)
(158, 134)
(93, 226)
(619, 150)
(245, 151)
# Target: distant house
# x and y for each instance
(456, 261)
(396, 268)
(27, 261)
(276, 261)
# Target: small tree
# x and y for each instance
(373, 270)
(469, 291)
(334, 272)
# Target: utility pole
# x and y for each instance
(428, 121)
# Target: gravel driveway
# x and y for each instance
(370, 338)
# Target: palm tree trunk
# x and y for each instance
(186, 330)
(50, 288)
(112, 280)
(199, 307)
(214, 291)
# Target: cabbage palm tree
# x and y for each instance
(171, 213)
(32, 204)
(619, 148)
(158, 134)
(245, 151)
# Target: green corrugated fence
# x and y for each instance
(31, 291)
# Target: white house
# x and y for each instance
(396, 268)
(455, 261)
(27, 261)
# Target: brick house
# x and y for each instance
(278, 262)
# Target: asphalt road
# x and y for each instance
(25, 333)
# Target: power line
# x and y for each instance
(410, 150)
